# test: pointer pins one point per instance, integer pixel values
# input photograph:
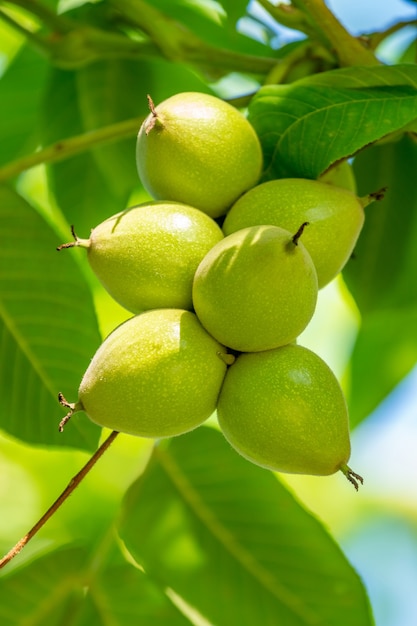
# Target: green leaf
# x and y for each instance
(109, 92)
(382, 273)
(162, 79)
(385, 352)
(94, 185)
(81, 190)
(66, 586)
(230, 540)
(381, 276)
(47, 590)
(21, 90)
(48, 329)
(235, 9)
(306, 126)
(125, 595)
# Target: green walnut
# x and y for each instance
(146, 256)
(341, 175)
(335, 216)
(158, 374)
(257, 288)
(284, 409)
(198, 149)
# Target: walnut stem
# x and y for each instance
(153, 119)
(299, 232)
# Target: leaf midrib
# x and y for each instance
(26, 350)
(228, 541)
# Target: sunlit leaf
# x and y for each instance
(122, 593)
(48, 589)
(230, 539)
(67, 587)
(306, 126)
(48, 329)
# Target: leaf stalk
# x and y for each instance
(349, 50)
(72, 146)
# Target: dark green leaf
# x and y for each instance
(21, 89)
(109, 92)
(230, 539)
(162, 79)
(382, 275)
(67, 587)
(48, 329)
(81, 189)
(308, 125)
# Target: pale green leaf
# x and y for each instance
(227, 537)
(45, 591)
(67, 586)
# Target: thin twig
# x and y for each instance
(74, 482)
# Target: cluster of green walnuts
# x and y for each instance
(222, 274)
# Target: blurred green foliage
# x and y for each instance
(201, 536)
